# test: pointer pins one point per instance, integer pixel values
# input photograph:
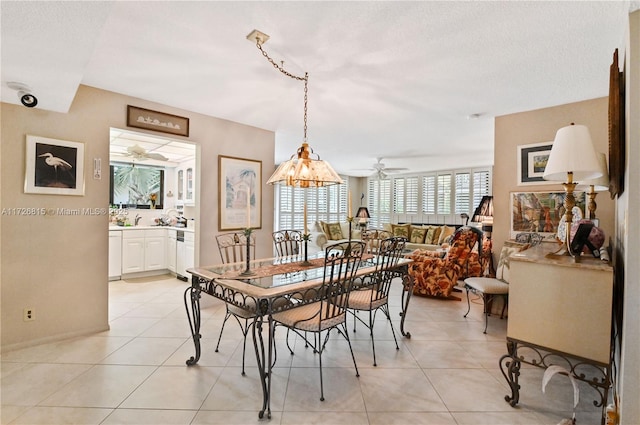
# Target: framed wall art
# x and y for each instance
(240, 193)
(54, 167)
(542, 212)
(532, 160)
(616, 129)
(157, 121)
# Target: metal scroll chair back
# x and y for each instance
(374, 295)
(233, 247)
(373, 238)
(323, 308)
(287, 242)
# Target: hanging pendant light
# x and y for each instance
(304, 168)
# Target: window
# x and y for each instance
(481, 187)
(429, 194)
(136, 186)
(327, 203)
(379, 202)
(462, 191)
(444, 194)
(434, 197)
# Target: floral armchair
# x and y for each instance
(436, 277)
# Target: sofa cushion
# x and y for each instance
(418, 234)
(401, 230)
(445, 233)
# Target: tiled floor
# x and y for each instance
(135, 373)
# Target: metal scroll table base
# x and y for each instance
(264, 351)
(597, 375)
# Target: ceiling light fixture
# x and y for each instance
(304, 168)
(27, 98)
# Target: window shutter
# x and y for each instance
(429, 194)
(462, 189)
(411, 199)
(444, 194)
(398, 195)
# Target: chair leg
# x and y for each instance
(393, 332)
(468, 302)
(346, 336)
(224, 322)
(485, 298)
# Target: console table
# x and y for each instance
(559, 314)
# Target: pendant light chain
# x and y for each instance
(290, 75)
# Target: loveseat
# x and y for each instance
(428, 237)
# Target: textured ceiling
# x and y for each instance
(396, 80)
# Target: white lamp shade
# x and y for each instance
(601, 183)
(572, 152)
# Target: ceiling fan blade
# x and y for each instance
(156, 156)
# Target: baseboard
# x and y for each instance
(54, 338)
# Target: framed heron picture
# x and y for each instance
(54, 167)
(240, 193)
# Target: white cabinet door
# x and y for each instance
(171, 251)
(115, 255)
(154, 253)
(132, 255)
(189, 256)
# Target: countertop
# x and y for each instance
(126, 228)
(542, 254)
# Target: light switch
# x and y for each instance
(97, 168)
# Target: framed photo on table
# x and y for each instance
(532, 160)
(54, 167)
(240, 193)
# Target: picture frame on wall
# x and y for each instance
(54, 167)
(532, 160)
(157, 121)
(240, 193)
(542, 212)
(616, 129)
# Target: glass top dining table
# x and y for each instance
(257, 285)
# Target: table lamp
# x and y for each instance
(572, 157)
(600, 184)
(484, 215)
(363, 217)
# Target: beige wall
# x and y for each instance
(57, 265)
(536, 127)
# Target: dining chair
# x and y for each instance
(326, 310)
(287, 242)
(233, 249)
(374, 293)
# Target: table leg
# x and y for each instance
(264, 362)
(407, 290)
(512, 363)
(192, 305)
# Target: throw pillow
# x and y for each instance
(445, 233)
(325, 227)
(509, 248)
(335, 232)
(401, 230)
(418, 234)
(428, 238)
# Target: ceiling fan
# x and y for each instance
(141, 154)
(381, 170)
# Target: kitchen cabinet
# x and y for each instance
(186, 183)
(155, 243)
(115, 254)
(144, 250)
(171, 250)
(132, 251)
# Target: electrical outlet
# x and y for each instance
(28, 314)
